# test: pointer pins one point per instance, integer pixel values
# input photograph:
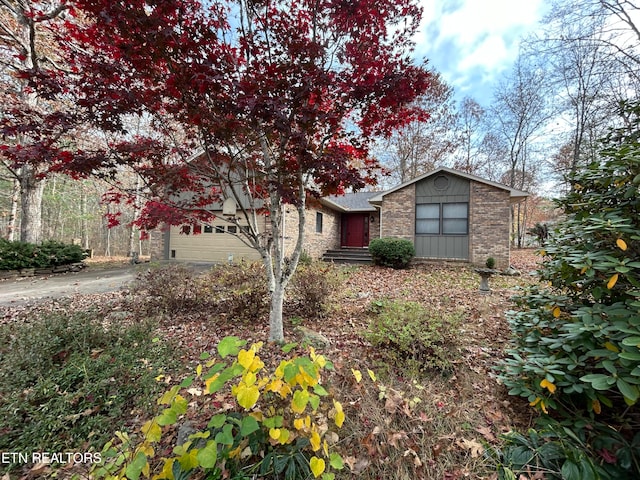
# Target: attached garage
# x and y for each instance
(213, 242)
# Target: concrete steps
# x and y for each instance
(348, 255)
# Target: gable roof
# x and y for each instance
(516, 195)
(350, 202)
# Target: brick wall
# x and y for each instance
(157, 239)
(315, 243)
(398, 213)
(374, 225)
(489, 224)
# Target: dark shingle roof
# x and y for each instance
(352, 202)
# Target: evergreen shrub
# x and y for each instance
(20, 255)
(392, 252)
(576, 337)
(67, 380)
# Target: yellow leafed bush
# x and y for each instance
(280, 422)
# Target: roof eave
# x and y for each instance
(515, 195)
(332, 205)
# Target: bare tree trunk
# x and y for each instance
(107, 251)
(132, 241)
(31, 192)
(513, 225)
(523, 223)
(58, 225)
(276, 328)
(84, 224)
(280, 268)
(136, 208)
(13, 216)
(519, 225)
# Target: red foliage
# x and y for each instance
(113, 219)
(284, 100)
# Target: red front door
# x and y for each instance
(355, 230)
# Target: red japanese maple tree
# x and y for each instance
(268, 102)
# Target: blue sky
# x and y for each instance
(473, 42)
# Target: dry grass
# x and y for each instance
(433, 427)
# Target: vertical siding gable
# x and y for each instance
(443, 188)
(430, 191)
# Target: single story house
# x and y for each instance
(447, 214)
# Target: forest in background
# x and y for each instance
(73, 211)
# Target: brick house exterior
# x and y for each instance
(451, 215)
(448, 215)
(490, 224)
(323, 231)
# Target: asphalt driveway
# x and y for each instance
(27, 290)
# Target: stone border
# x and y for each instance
(31, 272)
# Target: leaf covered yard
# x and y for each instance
(427, 412)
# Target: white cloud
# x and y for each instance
(490, 53)
(472, 41)
(475, 19)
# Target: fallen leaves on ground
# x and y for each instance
(433, 438)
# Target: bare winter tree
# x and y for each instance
(520, 112)
(613, 24)
(492, 155)
(624, 33)
(25, 47)
(421, 146)
(590, 73)
(470, 125)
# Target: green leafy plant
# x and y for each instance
(411, 337)
(20, 255)
(280, 426)
(15, 255)
(542, 452)
(575, 449)
(490, 263)
(576, 338)
(578, 341)
(53, 253)
(392, 252)
(67, 379)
